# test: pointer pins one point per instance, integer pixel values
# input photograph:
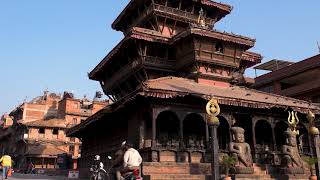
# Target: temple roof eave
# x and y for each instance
(224, 36)
(173, 87)
(170, 87)
(225, 8)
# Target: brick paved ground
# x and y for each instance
(17, 176)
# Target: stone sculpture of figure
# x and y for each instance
(291, 160)
(191, 142)
(241, 150)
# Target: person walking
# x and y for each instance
(6, 163)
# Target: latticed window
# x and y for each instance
(74, 121)
(219, 47)
(316, 99)
(71, 149)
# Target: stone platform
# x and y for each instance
(202, 171)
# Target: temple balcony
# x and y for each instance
(159, 63)
(217, 58)
(122, 74)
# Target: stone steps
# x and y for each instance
(187, 171)
(260, 169)
(176, 168)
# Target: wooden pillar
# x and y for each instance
(55, 163)
(154, 126)
(254, 141)
(181, 132)
(274, 138)
(181, 116)
(142, 132)
(42, 162)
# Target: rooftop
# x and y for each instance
(273, 65)
(291, 70)
(170, 87)
(53, 123)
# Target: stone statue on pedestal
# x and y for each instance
(291, 161)
(241, 150)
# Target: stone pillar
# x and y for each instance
(214, 152)
(316, 140)
(207, 136)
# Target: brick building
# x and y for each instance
(299, 80)
(38, 129)
(6, 121)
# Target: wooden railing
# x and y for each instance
(183, 14)
(159, 62)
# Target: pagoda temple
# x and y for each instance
(160, 77)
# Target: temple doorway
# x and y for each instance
(194, 131)
(263, 132)
(167, 129)
(223, 134)
(279, 130)
(263, 137)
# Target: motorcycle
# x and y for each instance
(99, 173)
(132, 175)
(97, 170)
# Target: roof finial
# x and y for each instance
(318, 46)
(201, 19)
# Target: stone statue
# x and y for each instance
(241, 150)
(291, 160)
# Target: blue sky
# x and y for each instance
(52, 44)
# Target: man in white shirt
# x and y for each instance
(131, 159)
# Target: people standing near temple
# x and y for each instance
(6, 163)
